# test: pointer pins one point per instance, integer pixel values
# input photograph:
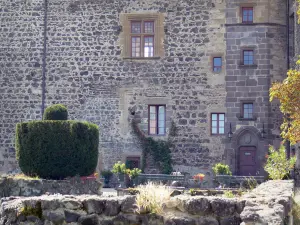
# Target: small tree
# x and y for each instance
(221, 169)
(288, 93)
(278, 166)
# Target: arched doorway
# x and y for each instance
(247, 154)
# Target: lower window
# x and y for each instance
(157, 120)
(217, 123)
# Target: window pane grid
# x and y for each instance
(248, 57)
(157, 120)
(148, 46)
(217, 123)
(136, 46)
(149, 27)
(217, 64)
(248, 110)
(142, 45)
(247, 14)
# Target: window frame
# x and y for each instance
(157, 119)
(218, 125)
(142, 35)
(247, 21)
(243, 110)
(213, 64)
(243, 57)
(158, 34)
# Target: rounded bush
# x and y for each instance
(57, 149)
(56, 112)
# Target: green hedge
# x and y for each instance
(56, 112)
(57, 149)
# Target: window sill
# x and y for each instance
(248, 66)
(142, 58)
(247, 119)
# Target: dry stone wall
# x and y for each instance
(10, 186)
(269, 203)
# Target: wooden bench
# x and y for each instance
(164, 178)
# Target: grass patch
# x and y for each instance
(24, 177)
(152, 197)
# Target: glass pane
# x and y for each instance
(214, 116)
(161, 109)
(152, 116)
(214, 123)
(152, 123)
(221, 116)
(221, 130)
(135, 46)
(221, 123)
(136, 27)
(152, 131)
(149, 46)
(152, 109)
(149, 27)
(217, 61)
(214, 130)
(161, 123)
(161, 130)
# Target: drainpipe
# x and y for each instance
(44, 58)
(288, 144)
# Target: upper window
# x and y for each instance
(247, 15)
(157, 119)
(142, 38)
(248, 57)
(217, 123)
(143, 35)
(217, 64)
(248, 110)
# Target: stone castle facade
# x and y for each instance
(202, 65)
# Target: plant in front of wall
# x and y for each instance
(278, 165)
(120, 170)
(107, 174)
(221, 169)
(158, 149)
(133, 174)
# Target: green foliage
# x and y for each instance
(229, 194)
(32, 211)
(221, 169)
(119, 168)
(57, 149)
(56, 112)
(158, 149)
(106, 174)
(133, 173)
(278, 166)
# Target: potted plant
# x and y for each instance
(120, 169)
(198, 178)
(107, 174)
(133, 174)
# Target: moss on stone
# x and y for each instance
(32, 211)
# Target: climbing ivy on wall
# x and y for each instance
(158, 149)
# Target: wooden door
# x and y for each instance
(247, 161)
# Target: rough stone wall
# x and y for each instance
(258, 207)
(10, 186)
(267, 38)
(21, 50)
(86, 72)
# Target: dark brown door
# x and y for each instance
(247, 161)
